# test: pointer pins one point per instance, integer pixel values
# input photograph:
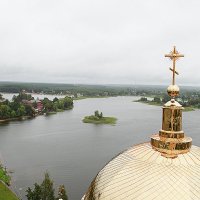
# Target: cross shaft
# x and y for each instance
(174, 56)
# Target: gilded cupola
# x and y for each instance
(166, 168)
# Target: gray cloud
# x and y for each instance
(102, 41)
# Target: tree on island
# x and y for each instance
(96, 114)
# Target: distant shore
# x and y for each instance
(186, 109)
(90, 97)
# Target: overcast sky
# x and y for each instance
(99, 41)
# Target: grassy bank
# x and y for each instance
(104, 120)
(6, 193)
(4, 176)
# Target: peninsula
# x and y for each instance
(24, 106)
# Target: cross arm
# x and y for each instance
(174, 55)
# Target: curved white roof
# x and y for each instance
(141, 173)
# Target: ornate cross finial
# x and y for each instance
(174, 56)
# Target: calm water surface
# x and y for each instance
(74, 152)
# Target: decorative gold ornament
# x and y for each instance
(171, 140)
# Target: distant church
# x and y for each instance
(166, 168)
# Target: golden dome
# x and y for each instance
(141, 173)
(167, 168)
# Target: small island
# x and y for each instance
(98, 118)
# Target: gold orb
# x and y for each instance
(173, 90)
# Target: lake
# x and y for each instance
(73, 152)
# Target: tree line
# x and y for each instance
(25, 105)
(186, 100)
(57, 104)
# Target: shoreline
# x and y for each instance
(23, 118)
(16, 119)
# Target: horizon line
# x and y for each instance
(97, 84)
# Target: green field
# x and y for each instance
(6, 193)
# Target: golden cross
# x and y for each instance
(174, 55)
